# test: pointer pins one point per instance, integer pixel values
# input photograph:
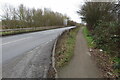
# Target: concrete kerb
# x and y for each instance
(53, 53)
(53, 58)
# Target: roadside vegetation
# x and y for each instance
(88, 37)
(21, 31)
(103, 35)
(23, 17)
(65, 47)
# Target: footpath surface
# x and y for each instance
(81, 65)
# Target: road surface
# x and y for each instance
(18, 58)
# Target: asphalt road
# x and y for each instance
(16, 55)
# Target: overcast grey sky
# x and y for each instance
(68, 7)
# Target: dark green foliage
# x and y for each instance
(93, 12)
(101, 23)
(107, 37)
(71, 23)
(104, 27)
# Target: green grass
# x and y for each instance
(23, 31)
(0, 22)
(88, 37)
(66, 51)
(92, 44)
(70, 44)
(17, 32)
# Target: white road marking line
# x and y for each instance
(16, 40)
(88, 53)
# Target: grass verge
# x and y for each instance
(103, 60)
(88, 37)
(65, 47)
(18, 32)
(7, 33)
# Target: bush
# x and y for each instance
(107, 37)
